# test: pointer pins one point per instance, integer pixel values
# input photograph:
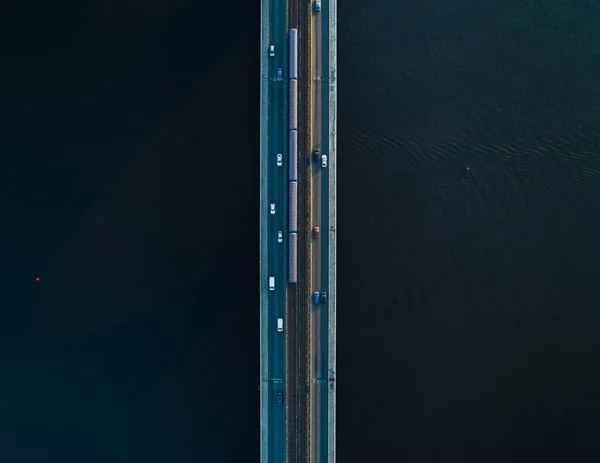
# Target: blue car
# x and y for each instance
(316, 297)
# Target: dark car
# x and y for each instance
(316, 154)
(279, 399)
(323, 297)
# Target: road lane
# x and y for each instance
(320, 261)
(316, 264)
(277, 193)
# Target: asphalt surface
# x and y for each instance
(277, 252)
(320, 217)
(317, 220)
(324, 328)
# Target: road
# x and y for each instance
(319, 254)
(277, 252)
(288, 433)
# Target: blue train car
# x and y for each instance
(293, 207)
(293, 156)
(292, 258)
(293, 54)
(294, 105)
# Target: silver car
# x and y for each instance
(272, 50)
(272, 208)
(324, 160)
(279, 160)
(280, 236)
(317, 5)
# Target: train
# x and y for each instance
(293, 254)
(293, 177)
(293, 53)
(293, 191)
(293, 148)
(293, 104)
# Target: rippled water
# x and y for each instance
(469, 230)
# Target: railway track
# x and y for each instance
(298, 294)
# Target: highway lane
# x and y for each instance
(320, 261)
(277, 252)
(324, 328)
(316, 219)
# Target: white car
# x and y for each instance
(272, 208)
(280, 236)
(317, 5)
(272, 50)
(280, 324)
(279, 160)
(324, 160)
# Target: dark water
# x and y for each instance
(468, 313)
(129, 186)
(469, 299)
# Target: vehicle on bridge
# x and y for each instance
(316, 154)
(324, 160)
(323, 297)
(279, 74)
(272, 50)
(279, 399)
(317, 5)
(272, 208)
(280, 324)
(280, 236)
(271, 283)
(316, 297)
(316, 232)
(279, 160)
